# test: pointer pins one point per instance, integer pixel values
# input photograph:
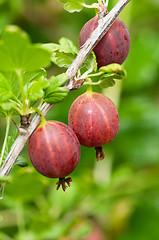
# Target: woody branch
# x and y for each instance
(104, 24)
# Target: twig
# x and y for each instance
(97, 34)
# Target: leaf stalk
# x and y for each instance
(23, 95)
(8, 120)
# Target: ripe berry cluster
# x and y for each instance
(54, 148)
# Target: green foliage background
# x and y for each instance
(117, 198)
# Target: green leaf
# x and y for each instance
(63, 1)
(35, 90)
(3, 114)
(74, 6)
(58, 81)
(76, 1)
(67, 46)
(35, 57)
(62, 59)
(7, 106)
(51, 47)
(13, 80)
(5, 89)
(116, 69)
(26, 78)
(17, 52)
(90, 62)
(7, 109)
(10, 142)
(12, 46)
(111, 72)
(18, 189)
(33, 76)
(65, 54)
(21, 161)
(54, 93)
(108, 82)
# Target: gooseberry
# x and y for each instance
(114, 45)
(95, 120)
(54, 151)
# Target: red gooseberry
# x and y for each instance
(114, 45)
(54, 151)
(95, 120)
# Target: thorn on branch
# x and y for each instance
(22, 131)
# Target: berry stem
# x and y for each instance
(95, 74)
(89, 88)
(92, 83)
(42, 118)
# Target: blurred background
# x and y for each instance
(117, 198)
